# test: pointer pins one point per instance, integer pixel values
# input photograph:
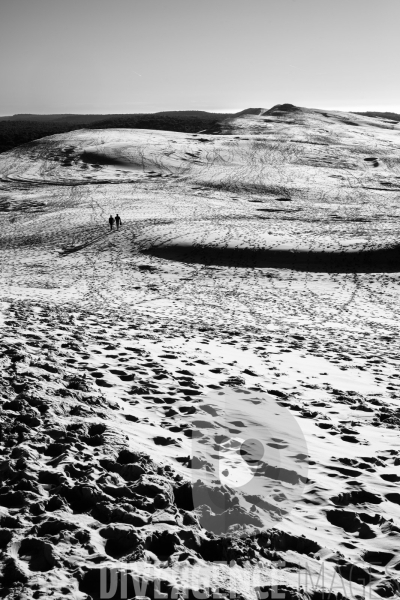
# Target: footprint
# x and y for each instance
(392, 477)
(164, 441)
(277, 446)
(393, 497)
(103, 383)
(350, 438)
(131, 418)
(127, 377)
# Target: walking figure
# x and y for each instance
(111, 221)
(118, 221)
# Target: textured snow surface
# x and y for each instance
(249, 300)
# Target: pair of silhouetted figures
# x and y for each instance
(117, 221)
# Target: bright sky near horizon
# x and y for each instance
(130, 56)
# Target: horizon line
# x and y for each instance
(213, 110)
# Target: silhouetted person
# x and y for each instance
(118, 221)
(111, 221)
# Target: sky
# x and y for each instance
(136, 56)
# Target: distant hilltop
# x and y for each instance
(199, 114)
(20, 129)
(80, 118)
(380, 115)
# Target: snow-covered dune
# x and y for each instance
(217, 380)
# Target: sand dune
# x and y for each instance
(206, 399)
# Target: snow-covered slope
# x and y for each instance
(248, 306)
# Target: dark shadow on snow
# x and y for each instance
(382, 260)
